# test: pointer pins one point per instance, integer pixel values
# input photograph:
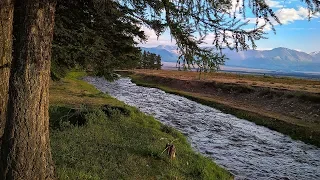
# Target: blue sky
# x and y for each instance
(296, 32)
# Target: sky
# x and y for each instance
(296, 31)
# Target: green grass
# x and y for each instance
(116, 141)
(308, 135)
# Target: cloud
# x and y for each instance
(271, 3)
(286, 16)
(289, 15)
(261, 22)
(153, 40)
(209, 39)
(274, 4)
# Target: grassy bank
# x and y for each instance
(94, 136)
(307, 132)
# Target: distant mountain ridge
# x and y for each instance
(316, 55)
(280, 58)
(167, 53)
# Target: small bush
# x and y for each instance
(244, 89)
(290, 96)
(169, 130)
(64, 118)
(266, 93)
(96, 116)
(310, 97)
(112, 111)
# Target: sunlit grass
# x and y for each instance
(74, 92)
(117, 145)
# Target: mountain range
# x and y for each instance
(280, 59)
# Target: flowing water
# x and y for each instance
(247, 150)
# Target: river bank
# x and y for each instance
(95, 136)
(277, 103)
(247, 150)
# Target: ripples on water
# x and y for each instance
(245, 149)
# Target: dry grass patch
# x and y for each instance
(261, 81)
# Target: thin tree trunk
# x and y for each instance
(25, 152)
(6, 20)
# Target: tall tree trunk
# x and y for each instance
(25, 152)
(6, 20)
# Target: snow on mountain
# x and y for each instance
(277, 59)
(173, 49)
(315, 53)
(316, 56)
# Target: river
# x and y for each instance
(247, 150)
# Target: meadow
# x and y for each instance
(94, 136)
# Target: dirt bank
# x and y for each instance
(293, 112)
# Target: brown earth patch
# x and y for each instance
(282, 83)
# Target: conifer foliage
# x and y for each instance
(95, 35)
(149, 61)
(191, 21)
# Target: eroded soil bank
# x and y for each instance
(292, 112)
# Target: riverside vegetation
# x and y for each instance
(287, 110)
(94, 136)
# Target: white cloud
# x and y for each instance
(209, 39)
(271, 3)
(153, 40)
(289, 15)
(286, 16)
(234, 5)
(261, 22)
(275, 4)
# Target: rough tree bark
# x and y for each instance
(6, 20)
(25, 152)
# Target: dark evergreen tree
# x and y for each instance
(95, 35)
(158, 62)
(149, 61)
